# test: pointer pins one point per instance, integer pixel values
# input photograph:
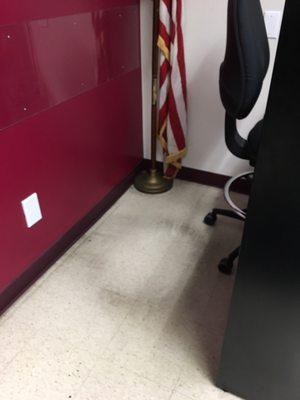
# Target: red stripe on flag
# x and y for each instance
(175, 121)
(164, 72)
(171, 171)
(164, 34)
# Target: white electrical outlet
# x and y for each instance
(32, 210)
(273, 23)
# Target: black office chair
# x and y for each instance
(241, 78)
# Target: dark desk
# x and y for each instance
(261, 355)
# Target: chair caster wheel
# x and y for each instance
(226, 266)
(210, 219)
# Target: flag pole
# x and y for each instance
(153, 182)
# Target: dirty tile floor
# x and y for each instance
(136, 309)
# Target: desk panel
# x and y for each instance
(261, 356)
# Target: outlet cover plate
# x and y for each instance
(273, 23)
(32, 210)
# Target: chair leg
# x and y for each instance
(211, 218)
(226, 264)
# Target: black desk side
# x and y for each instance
(261, 353)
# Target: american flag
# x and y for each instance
(173, 87)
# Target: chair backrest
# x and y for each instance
(247, 57)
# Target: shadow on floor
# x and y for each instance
(200, 315)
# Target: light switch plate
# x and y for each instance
(273, 23)
(32, 210)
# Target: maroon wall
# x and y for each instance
(70, 115)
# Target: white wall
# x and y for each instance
(205, 36)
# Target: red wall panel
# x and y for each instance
(71, 119)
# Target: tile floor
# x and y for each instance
(135, 310)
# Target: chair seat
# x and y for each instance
(254, 140)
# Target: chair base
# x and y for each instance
(227, 264)
(211, 218)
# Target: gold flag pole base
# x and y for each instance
(152, 182)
